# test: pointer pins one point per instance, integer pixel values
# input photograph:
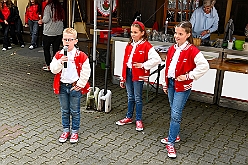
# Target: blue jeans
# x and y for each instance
(70, 105)
(33, 28)
(177, 102)
(134, 94)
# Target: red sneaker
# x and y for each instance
(165, 140)
(74, 138)
(124, 121)
(171, 151)
(139, 126)
(64, 137)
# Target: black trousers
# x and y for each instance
(55, 41)
(16, 30)
(6, 42)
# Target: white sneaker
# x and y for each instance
(22, 46)
(4, 49)
(9, 47)
(46, 68)
(31, 47)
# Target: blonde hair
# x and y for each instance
(70, 31)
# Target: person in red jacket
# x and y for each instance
(70, 82)
(184, 64)
(32, 16)
(5, 17)
(140, 56)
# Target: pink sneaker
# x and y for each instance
(74, 138)
(165, 140)
(139, 126)
(171, 151)
(64, 137)
(124, 121)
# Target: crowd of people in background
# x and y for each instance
(11, 24)
(49, 14)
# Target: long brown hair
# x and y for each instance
(29, 3)
(56, 7)
(9, 4)
(186, 25)
(138, 25)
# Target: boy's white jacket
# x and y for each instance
(57, 66)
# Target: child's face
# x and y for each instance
(136, 34)
(180, 35)
(69, 40)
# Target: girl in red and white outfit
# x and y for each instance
(140, 56)
(184, 64)
(5, 17)
(32, 16)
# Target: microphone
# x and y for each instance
(65, 54)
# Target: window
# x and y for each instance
(179, 10)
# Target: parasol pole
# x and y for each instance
(104, 97)
(108, 46)
(92, 95)
(73, 13)
(181, 6)
(94, 43)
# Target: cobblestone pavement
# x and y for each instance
(30, 125)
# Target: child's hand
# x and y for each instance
(183, 77)
(165, 90)
(76, 88)
(122, 84)
(26, 25)
(40, 22)
(64, 59)
(138, 65)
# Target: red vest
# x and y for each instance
(79, 59)
(184, 65)
(140, 56)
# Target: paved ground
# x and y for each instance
(30, 125)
